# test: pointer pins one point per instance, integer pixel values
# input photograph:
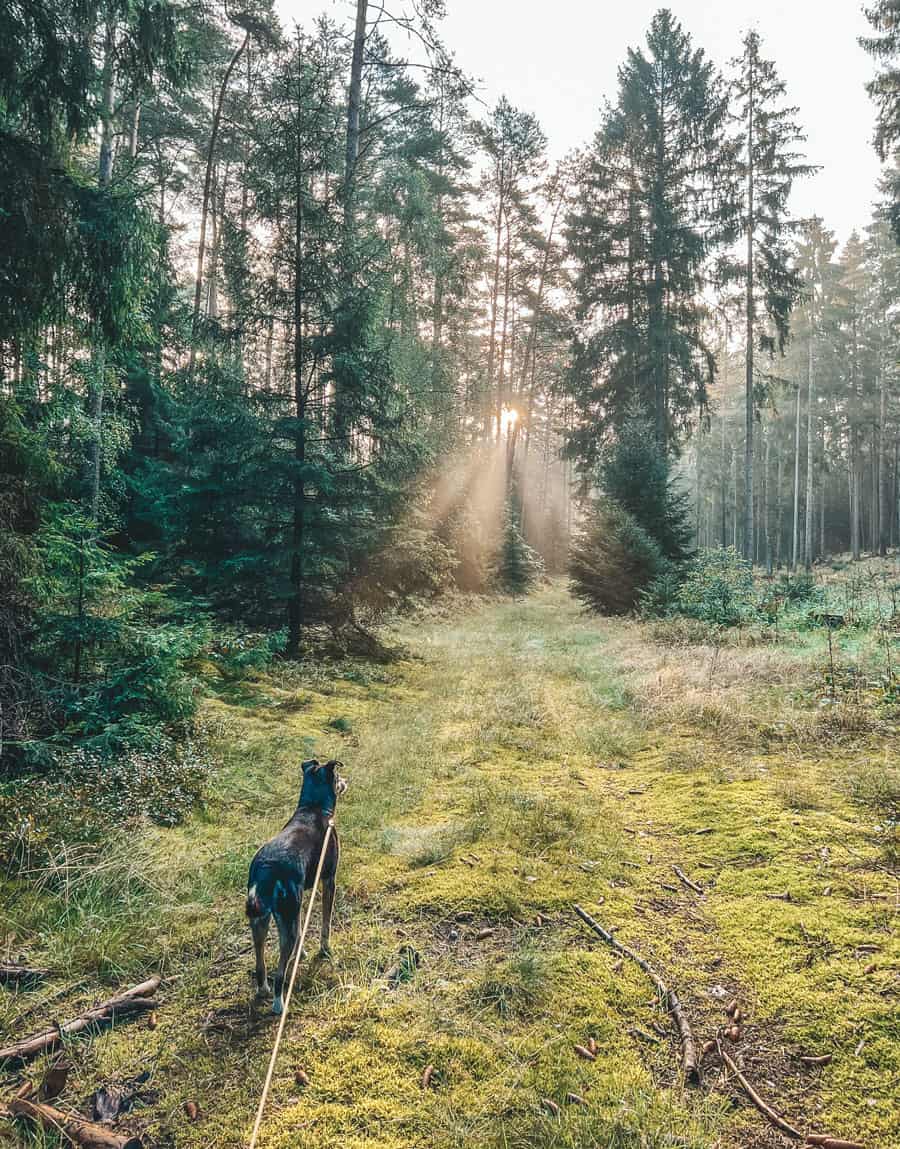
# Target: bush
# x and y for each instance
(718, 588)
(613, 559)
(86, 794)
(797, 588)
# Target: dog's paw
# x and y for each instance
(264, 990)
(325, 954)
(277, 1006)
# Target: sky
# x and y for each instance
(558, 59)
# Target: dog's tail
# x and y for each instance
(254, 906)
(280, 896)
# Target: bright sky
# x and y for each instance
(558, 59)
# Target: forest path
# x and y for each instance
(508, 768)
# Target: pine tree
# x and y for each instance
(766, 166)
(653, 207)
(635, 474)
(518, 566)
(884, 88)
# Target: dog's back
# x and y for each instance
(279, 869)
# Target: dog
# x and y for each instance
(286, 866)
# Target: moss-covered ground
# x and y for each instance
(521, 758)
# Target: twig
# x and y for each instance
(766, 1110)
(669, 996)
(822, 1140)
(682, 877)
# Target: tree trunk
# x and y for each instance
(884, 499)
(750, 308)
(296, 606)
(531, 352)
(495, 302)
(795, 536)
(207, 186)
(767, 526)
(507, 275)
(810, 458)
(353, 111)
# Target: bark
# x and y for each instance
(795, 534)
(495, 299)
(353, 111)
(207, 188)
(297, 604)
(507, 276)
(751, 319)
(883, 471)
(767, 525)
(531, 352)
(73, 1128)
(133, 1000)
(107, 101)
(810, 460)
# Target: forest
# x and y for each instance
(339, 415)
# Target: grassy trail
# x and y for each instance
(523, 758)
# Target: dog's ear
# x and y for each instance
(335, 777)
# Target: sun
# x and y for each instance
(509, 416)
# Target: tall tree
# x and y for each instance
(767, 165)
(654, 207)
(884, 88)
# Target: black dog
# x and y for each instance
(286, 866)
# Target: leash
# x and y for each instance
(290, 989)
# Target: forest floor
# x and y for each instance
(520, 758)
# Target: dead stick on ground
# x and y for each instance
(766, 1110)
(133, 1000)
(682, 877)
(16, 973)
(820, 1139)
(75, 1129)
(669, 996)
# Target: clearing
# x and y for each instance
(522, 757)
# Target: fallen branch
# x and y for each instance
(822, 1140)
(75, 1129)
(669, 996)
(682, 877)
(20, 973)
(134, 1000)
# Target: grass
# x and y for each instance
(523, 757)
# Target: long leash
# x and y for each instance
(290, 989)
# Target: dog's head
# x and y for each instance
(322, 784)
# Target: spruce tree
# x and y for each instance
(766, 166)
(653, 207)
(635, 474)
(884, 88)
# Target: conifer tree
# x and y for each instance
(653, 208)
(767, 163)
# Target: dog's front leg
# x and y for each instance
(328, 888)
(259, 927)
(287, 939)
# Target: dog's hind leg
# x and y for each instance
(287, 939)
(259, 927)
(328, 886)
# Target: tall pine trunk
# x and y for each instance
(750, 308)
(207, 189)
(809, 541)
